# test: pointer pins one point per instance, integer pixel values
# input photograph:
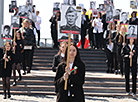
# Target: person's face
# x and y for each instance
(6, 31)
(110, 15)
(14, 20)
(58, 14)
(131, 30)
(124, 16)
(133, 15)
(113, 26)
(37, 13)
(123, 29)
(71, 18)
(73, 52)
(17, 10)
(62, 48)
(23, 9)
(98, 15)
(84, 12)
(117, 12)
(131, 40)
(101, 7)
(92, 5)
(17, 35)
(8, 47)
(26, 24)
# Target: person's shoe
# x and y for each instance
(24, 73)
(127, 93)
(134, 95)
(19, 79)
(111, 71)
(9, 95)
(116, 72)
(107, 71)
(14, 83)
(28, 71)
(4, 97)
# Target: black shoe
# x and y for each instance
(111, 71)
(14, 83)
(108, 71)
(19, 79)
(9, 96)
(28, 71)
(24, 73)
(4, 97)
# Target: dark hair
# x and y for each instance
(134, 13)
(84, 9)
(131, 26)
(123, 13)
(18, 31)
(77, 58)
(100, 15)
(6, 45)
(6, 26)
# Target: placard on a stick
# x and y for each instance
(92, 5)
(23, 11)
(116, 14)
(56, 6)
(6, 32)
(132, 31)
(10, 9)
(14, 4)
(15, 22)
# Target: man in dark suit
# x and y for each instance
(14, 22)
(71, 17)
(84, 27)
(6, 32)
(124, 17)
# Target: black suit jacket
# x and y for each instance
(85, 26)
(127, 22)
(1, 61)
(104, 22)
(57, 59)
(135, 22)
(75, 84)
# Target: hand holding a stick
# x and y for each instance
(123, 44)
(5, 58)
(67, 70)
(131, 55)
(66, 76)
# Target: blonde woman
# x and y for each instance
(29, 42)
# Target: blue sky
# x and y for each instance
(45, 8)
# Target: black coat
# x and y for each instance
(135, 22)
(28, 37)
(85, 26)
(6, 72)
(57, 59)
(1, 59)
(104, 22)
(18, 58)
(75, 86)
(126, 52)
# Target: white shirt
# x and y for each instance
(38, 22)
(130, 46)
(35, 32)
(98, 27)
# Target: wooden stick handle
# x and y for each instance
(66, 81)
(5, 53)
(131, 58)
(14, 40)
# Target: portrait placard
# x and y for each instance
(29, 2)
(56, 6)
(6, 32)
(116, 14)
(23, 10)
(10, 9)
(14, 4)
(70, 20)
(92, 5)
(132, 31)
(15, 22)
(101, 8)
(109, 14)
(124, 18)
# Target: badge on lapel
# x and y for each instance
(9, 58)
(74, 70)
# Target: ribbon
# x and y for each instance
(74, 70)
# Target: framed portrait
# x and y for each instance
(109, 14)
(116, 14)
(92, 5)
(70, 19)
(6, 32)
(23, 11)
(132, 31)
(56, 6)
(10, 9)
(101, 8)
(14, 4)
(15, 22)
(124, 18)
(29, 2)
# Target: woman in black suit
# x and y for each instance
(6, 72)
(19, 48)
(75, 75)
(58, 58)
(127, 54)
(1, 64)
(133, 20)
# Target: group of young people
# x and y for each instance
(18, 54)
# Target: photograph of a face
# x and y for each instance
(29, 2)
(92, 5)
(14, 4)
(15, 22)
(124, 17)
(56, 7)
(23, 10)
(132, 31)
(6, 32)
(101, 8)
(116, 14)
(109, 14)
(70, 20)
(10, 9)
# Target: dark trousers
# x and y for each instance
(91, 38)
(127, 76)
(109, 55)
(27, 58)
(115, 61)
(32, 54)
(54, 38)
(83, 34)
(98, 40)
(38, 32)
(68, 100)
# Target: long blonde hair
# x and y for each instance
(28, 22)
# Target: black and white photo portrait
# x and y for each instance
(116, 14)
(124, 17)
(70, 20)
(109, 14)
(73, 2)
(23, 10)
(101, 7)
(14, 4)
(29, 2)
(6, 32)
(92, 5)
(10, 9)
(15, 22)
(56, 7)
(131, 31)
